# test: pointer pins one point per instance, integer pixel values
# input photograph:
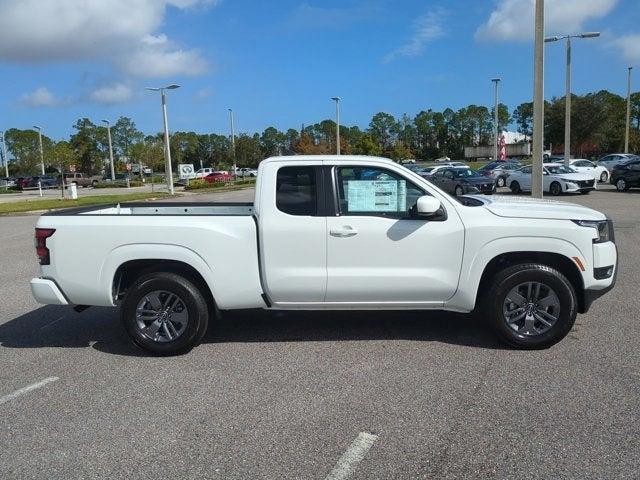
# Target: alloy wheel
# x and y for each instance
(621, 184)
(531, 308)
(161, 316)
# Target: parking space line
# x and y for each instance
(352, 457)
(27, 389)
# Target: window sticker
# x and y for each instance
(376, 195)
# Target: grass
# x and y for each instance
(202, 186)
(52, 204)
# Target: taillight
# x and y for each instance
(41, 244)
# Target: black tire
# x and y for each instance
(585, 192)
(191, 298)
(622, 185)
(511, 277)
(459, 191)
(555, 189)
(501, 181)
(515, 187)
(604, 176)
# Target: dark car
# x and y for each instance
(46, 181)
(459, 181)
(626, 175)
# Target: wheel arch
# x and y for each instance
(558, 261)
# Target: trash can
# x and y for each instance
(73, 191)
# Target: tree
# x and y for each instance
(272, 142)
(85, 145)
(401, 151)
(125, 134)
(63, 156)
(523, 117)
(24, 146)
(366, 145)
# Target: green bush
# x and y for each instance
(200, 183)
(119, 184)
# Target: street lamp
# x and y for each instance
(567, 106)
(4, 155)
(167, 150)
(495, 113)
(626, 133)
(113, 173)
(337, 100)
(233, 142)
(40, 142)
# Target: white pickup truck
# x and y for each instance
(329, 232)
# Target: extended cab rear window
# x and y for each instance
(296, 191)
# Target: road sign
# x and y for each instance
(186, 171)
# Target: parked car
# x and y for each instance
(219, 177)
(499, 171)
(428, 171)
(556, 179)
(611, 160)
(626, 175)
(348, 243)
(80, 179)
(442, 159)
(599, 172)
(203, 172)
(246, 172)
(7, 182)
(408, 161)
(46, 181)
(553, 159)
(459, 181)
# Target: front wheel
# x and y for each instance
(604, 177)
(515, 187)
(501, 181)
(531, 306)
(165, 313)
(555, 189)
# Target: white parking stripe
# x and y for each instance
(354, 455)
(27, 389)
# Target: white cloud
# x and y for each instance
(111, 94)
(630, 47)
(204, 93)
(426, 29)
(40, 97)
(514, 19)
(113, 31)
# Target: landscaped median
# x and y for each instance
(202, 185)
(53, 204)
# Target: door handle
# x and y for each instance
(344, 232)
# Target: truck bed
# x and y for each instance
(163, 208)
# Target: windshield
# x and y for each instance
(464, 172)
(555, 169)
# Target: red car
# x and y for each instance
(219, 177)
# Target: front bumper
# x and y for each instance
(47, 292)
(487, 188)
(603, 257)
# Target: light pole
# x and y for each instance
(567, 97)
(626, 132)
(40, 142)
(233, 142)
(538, 102)
(337, 100)
(495, 113)
(4, 155)
(113, 172)
(167, 150)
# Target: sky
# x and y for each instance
(278, 63)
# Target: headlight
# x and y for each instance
(603, 227)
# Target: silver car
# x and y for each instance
(613, 159)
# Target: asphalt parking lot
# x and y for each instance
(291, 396)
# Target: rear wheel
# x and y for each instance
(531, 306)
(621, 185)
(555, 189)
(515, 187)
(459, 191)
(165, 313)
(501, 181)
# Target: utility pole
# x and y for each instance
(233, 143)
(538, 102)
(113, 172)
(40, 142)
(4, 155)
(167, 149)
(495, 113)
(337, 100)
(626, 133)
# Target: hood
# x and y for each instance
(574, 176)
(522, 207)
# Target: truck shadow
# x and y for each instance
(100, 328)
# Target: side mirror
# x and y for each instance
(428, 206)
